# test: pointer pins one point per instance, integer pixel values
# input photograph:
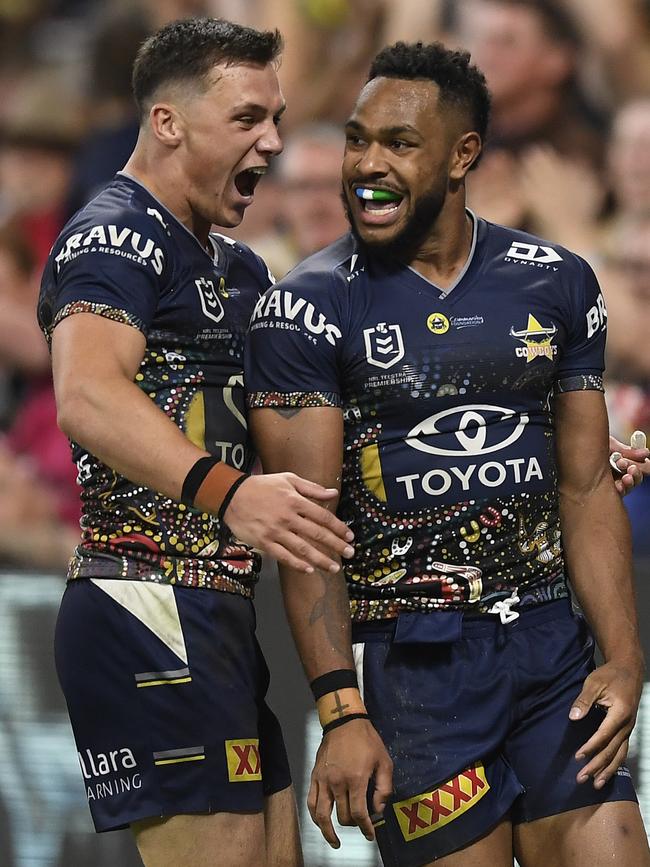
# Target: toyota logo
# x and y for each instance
(470, 425)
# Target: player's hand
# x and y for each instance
(615, 686)
(275, 514)
(634, 464)
(347, 759)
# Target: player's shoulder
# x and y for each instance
(517, 247)
(326, 270)
(240, 255)
(310, 298)
(123, 200)
(124, 220)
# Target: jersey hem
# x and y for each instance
(219, 583)
(294, 399)
(115, 314)
(579, 382)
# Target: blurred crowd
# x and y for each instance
(568, 158)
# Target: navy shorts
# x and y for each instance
(475, 715)
(165, 688)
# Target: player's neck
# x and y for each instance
(444, 253)
(169, 187)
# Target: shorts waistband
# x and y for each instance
(445, 626)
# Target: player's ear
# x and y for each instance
(464, 154)
(166, 123)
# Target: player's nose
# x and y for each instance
(269, 142)
(372, 161)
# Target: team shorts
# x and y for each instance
(166, 688)
(475, 715)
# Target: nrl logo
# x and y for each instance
(537, 340)
(384, 345)
(210, 301)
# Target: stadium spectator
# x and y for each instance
(39, 510)
(41, 128)
(308, 181)
(530, 51)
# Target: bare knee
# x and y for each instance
(587, 837)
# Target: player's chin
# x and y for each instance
(230, 218)
(377, 236)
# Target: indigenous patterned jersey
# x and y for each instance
(449, 478)
(126, 257)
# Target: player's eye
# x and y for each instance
(399, 145)
(353, 140)
(246, 120)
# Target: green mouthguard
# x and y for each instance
(377, 195)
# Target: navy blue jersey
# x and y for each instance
(126, 257)
(449, 478)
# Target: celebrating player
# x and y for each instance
(146, 312)
(448, 372)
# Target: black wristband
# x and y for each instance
(230, 493)
(342, 720)
(341, 678)
(195, 478)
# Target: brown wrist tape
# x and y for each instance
(215, 486)
(334, 704)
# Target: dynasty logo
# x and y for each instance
(537, 340)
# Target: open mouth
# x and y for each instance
(378, 204)
(247, 180)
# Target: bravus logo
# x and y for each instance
(281, 304)
(117, 241)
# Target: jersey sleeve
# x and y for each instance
(266, 276)
(291, 357)
(583, 361)
(114, 270)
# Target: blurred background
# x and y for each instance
(568, 158)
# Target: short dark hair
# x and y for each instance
(460, 82)
(187, 50)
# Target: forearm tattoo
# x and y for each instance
(334, 608)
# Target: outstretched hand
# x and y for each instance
(633, 465)
(347, 759)
(275, 514)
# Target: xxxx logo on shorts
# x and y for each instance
(243, 759)
(432, 810)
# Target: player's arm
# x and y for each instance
(95, 361)
(596, 539)
(310, 442)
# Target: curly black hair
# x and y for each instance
(187, 50)
(461, 83)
